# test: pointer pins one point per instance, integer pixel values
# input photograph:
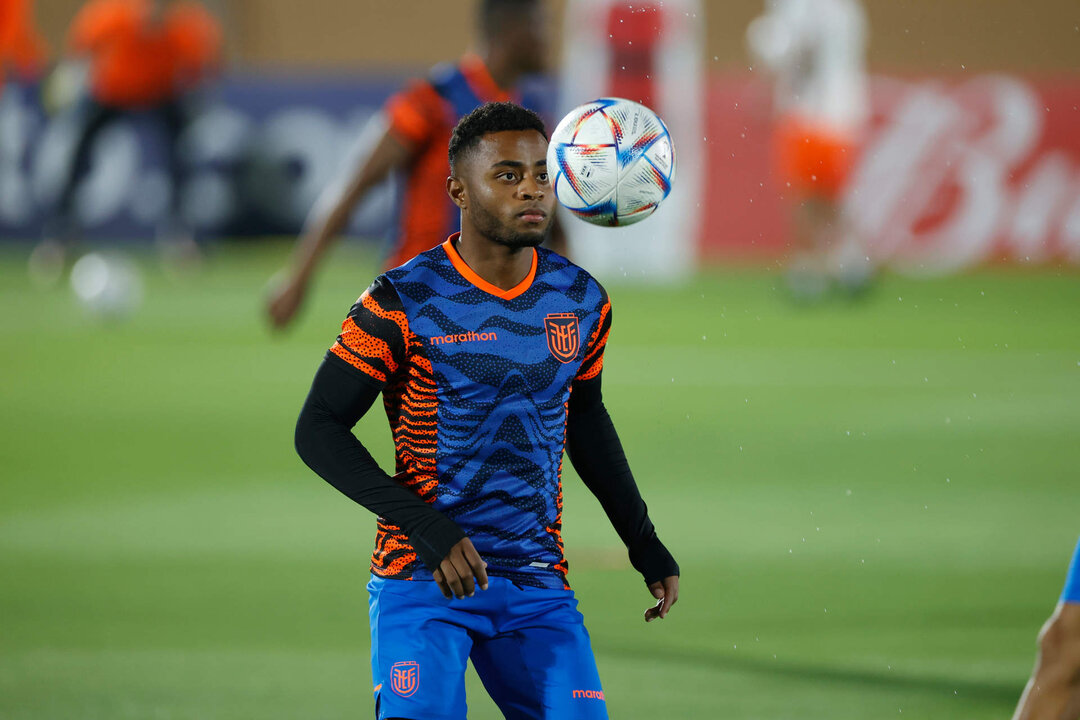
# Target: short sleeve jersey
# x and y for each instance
(476, 383)
(422, 116)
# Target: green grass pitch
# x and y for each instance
(873, 503)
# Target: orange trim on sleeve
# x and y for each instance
(594, 356)
(343, 352)
(364, 344)
(469, 274)
(398, 317)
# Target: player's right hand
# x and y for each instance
(666, 592)
(461, 570)
(285, 296)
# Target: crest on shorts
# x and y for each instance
(562, 335)
(405, 677)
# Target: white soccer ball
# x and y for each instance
(611, 162)
(107, 285)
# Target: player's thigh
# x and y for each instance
(543, 669)
(418, 652)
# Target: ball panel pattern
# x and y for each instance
(611, 162)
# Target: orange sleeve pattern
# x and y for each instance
(374, 336)
(594, 352)
(415, 113)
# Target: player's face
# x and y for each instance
(508, 197)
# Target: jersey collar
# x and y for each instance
(469, 274)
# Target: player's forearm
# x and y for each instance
(597, 454)
(373, 162)
(1047, 695)
(325, 442)
(321, 231)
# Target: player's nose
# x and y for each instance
(530, 189)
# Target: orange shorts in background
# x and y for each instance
(815, 160)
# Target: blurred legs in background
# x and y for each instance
(126, 58)
(826, 251)
(815, 53)
(174, 239)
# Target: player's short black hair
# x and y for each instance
(491, 13)
(490, 118)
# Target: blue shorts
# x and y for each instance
(1071, 594)
(529, 646)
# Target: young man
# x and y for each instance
(1053, 693)
(145, 57)
(816, 51)
(416, 125)
(488, 351)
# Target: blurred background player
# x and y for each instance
(23, 55)
(138, 56)
(481, 421)
(416, 126)
(1053, 693)
(22, 49)
(653, 53)
(816, 52)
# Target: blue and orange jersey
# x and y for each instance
(422, 117)
(476, 383)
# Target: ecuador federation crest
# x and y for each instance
(405, 677)
(562, 335)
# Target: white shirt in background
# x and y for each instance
(817, 51)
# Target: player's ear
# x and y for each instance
(456, 190)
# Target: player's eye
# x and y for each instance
(508, 176)
(542, 177)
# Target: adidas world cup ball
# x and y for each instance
(611, 162)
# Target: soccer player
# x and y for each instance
(142, 56)
(1053, 693)
(816, 51)
(488, 350)
(21, 45)
(415, 127)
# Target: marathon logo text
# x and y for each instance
(463, 337)
(592, 694)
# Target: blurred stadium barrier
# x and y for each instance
(257, 155)
(955, 172)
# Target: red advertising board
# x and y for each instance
(952, 173)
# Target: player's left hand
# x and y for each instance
(666, 592)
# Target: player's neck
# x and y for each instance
(502, 266)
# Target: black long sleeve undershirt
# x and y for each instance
(339, 397)
(597, 455)
(337, 400)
